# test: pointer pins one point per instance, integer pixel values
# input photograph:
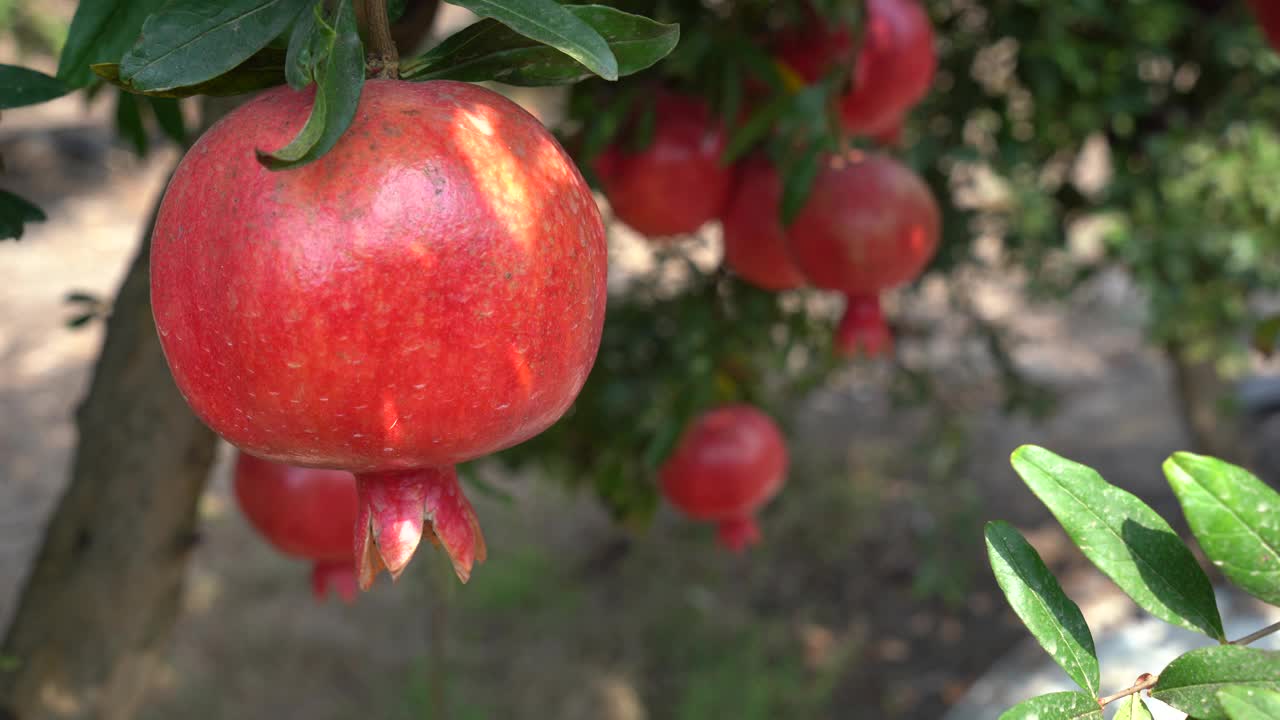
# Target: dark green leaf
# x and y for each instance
(101, 31)
(551, 23)
(129, 122)
(300, 65)
(1191, 682)
(489, 50)
(1267, 335)
(797, 181)
(1056, 706)
(1246, 703)
(169, 117)
(263, 70)
(1038, 600)
(1125, 538)
(190, 41)
(15, 212)
(1235, 517)
(757, 126)
(339, 79)
(21, 86)
(1132, 708)
(80, 321)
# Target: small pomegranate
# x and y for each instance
(430, 291)
(727, 464)
(304, 512)
(868, 225)
(1268, 13)
(754, 239)
(677, 183)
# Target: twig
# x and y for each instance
(383, 59)
(1145, 681)
(1254, 636)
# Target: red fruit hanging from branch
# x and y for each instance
(727, 464)
(676, 183)
(1268, 13)
(430, 291)
(304, 512)
(868, 225)
(754, 239)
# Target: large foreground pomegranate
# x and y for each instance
(868, 225)
(727, 464)
(675, 184)
(754, 239)
(430, 291)
(304, 512)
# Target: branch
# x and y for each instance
(1145, 681)
(1255, 636)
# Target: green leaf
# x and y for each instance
(1056, 706)
(1125, 538)
(490, 50)
(798, 179)
(551, 23)
(129, 122)
(339, 77)
(1132, 708)
(300, 64)
(1038, 599)
(1245, 703)
(169, 117)
(755, 128)
(15, 212)
(21, 86)
(1191, 682)
(1267, 335)
(101, 31)
(190, 41)
(1234, 516)
(265, 69)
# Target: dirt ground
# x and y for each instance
(870, 598)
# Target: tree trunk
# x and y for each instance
(105, 588)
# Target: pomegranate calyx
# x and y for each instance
(737, 534)
(338, 577)
(862, 329)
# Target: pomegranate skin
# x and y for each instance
(1268, 14)
(754, 239)
(305, 513)
(677, 183)
(430, 291)
(727, 464)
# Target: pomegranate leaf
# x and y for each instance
(1233, 516)
(1124, 538)
(16, 212)
(339, 74)
(1266, 336)
(169, 118)
(1132, 708)
(129, 123)
(491, 50)
(799, 173)
(21, 86)
(1055, 706)
(1038, 599)
(1246, 703)
(190, 41)
(551, 23)
(266, 68)
(101, 31)
(1191, 682)
(300, 62)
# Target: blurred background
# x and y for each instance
(1109, 177)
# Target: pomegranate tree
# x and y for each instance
(429, 291)
(754, 239)
(728, 463)
(676, 183)
(869, 224)
(304, 512)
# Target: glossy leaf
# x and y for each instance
(1038, 599)
(300, 64)
(1234, 516)
(129, 122)
(1056, 706)
(1125, 538)
(101, 31)
(169, 118)
(15, 212)
(1191, 682)
(1132, 708)
(1246, 703)
(265, 69)
(339, 77)
(551, 23)
(489, 50)
(190, 41)
(21, 86)
(799, 178)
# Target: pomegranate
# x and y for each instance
(429, 291)
(1268, 13)
(754, 240)
(306, 513)
(727, 464)
(894, 68)
(869, 224)
(677, 183)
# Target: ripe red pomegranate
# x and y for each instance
(677, 183)
(306, 513)
(869, 224)
(1268, 13)
(895, 64)
(754, 239)
(727, 464)
(430, 291)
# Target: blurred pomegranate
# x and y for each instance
(754, 240)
